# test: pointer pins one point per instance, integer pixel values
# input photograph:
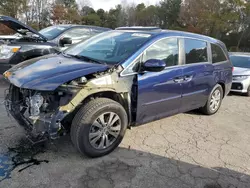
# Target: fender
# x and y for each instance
(107, 83)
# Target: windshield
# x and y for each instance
(241, 61)
(52, 32)
(109, 47)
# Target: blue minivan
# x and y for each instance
(98, 88)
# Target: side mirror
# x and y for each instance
(65, 41)
(154, 65)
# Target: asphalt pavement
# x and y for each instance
(184, 151)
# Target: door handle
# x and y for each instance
(178, 79)
(188, 78)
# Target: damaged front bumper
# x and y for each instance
(44, 125)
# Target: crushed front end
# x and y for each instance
(38, 111)
(47, 110)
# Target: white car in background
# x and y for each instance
(241, 73)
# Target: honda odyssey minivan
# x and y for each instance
(118, 79)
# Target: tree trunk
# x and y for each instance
(241, 37)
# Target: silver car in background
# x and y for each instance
(241, 73)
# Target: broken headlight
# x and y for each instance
(7, 51)
(75, 83)
(72, 87)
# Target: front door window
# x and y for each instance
(166, 50)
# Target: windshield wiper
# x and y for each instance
(86, 58)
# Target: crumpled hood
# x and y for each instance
(48, 72)
(241, 71)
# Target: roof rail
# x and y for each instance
(139, 28)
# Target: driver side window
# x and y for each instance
(166, 50)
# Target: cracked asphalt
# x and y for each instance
(184, 151)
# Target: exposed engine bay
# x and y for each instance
(7, 39)
(36, 110)
(21, 38)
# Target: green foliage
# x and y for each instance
(10, 7)
(92, 19)
(86, 10)
(168, 12)
(228, 20)
(67, 3)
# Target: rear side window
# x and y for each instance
(96, 31)
(196, 51)
(77, 33)
(217, 54)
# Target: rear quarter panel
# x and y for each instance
(223, 71)
(223, 74)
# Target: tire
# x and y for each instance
(84, 127)
(248, 92)
(207, 109)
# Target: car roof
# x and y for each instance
(139, 28)
(155, 31)
(239, 53)
(192, 35)
(68, 26)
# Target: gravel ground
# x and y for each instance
(184, 151)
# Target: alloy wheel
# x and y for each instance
(105, 130)
(215, 100)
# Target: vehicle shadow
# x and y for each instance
(126, 167)
(237, 94)
(195, 112)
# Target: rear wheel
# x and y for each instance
(214, 101)
(99, 127)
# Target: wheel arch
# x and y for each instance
(223, 85)
(122, 98)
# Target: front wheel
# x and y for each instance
(214, 101)
(248, 92)
(99, 127)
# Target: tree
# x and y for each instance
(41, 12)
(116, 17)
(92, 19)
(210, 17)
(147, 16)
(65, 11)
(67, 3)
(72, 16)
(131, 15)
(83, 3)
(58, 13)
(27, 8)
(86, 10)
(10, 7)
(227, 20)
(103, 16)
(168, 13)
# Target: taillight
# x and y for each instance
(232, 69)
